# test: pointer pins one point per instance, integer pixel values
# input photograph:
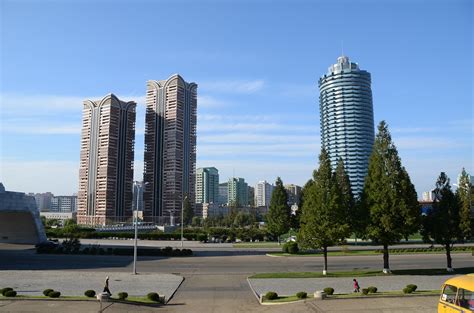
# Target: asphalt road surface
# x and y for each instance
(215, 280)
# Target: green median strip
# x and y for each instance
(288, 299)
(358, 253)
(357, 273)
(130, 300)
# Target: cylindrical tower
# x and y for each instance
(347, 118)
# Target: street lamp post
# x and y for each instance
(135, 221)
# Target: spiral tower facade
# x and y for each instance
(347, 119)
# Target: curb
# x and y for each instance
(171, 297)
(253, 291)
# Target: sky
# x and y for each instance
(257, 65)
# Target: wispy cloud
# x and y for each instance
(233, 86)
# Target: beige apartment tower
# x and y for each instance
(106, 162)
(170, 148)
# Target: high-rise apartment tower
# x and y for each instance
(347, 119)
(207, 185)
(106, 161)
(170, 148)
(263, 193)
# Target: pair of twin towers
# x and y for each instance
(107, 154)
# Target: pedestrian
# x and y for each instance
(106, 286)
(356, 286)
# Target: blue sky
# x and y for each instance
(257, 64)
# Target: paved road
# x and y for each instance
(215, 280)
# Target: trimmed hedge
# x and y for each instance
(10, 293)
(301, 295)
(433, 249)
(407, 290)
(94, 250)
(46, 292)
(328, 290)
(54, 294)
(122, 295)
(290, 247)
(412, 287)
(372, 289)
(89, 293)
(365, 291)
(4, 290)
(153, 296)
(271, 295)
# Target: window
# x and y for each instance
(449, 293)
(465, 299)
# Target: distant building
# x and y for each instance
(106, 161)
(64, 204)
(207, 185)
(43, 201)
(294, 193)
(251, 194)
(137, 203)
(213, 210)
(237, 192)
(223, 198)
(170, 148)
(347, 119)
(61, 216)
(263, 193)
(428, 196)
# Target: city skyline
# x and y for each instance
(258, 103)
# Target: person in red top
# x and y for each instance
(356, 286)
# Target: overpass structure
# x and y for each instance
(19, 218)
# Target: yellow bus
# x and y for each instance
(457, 295)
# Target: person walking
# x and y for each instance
(356, 285)
(106, 286)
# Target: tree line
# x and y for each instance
(386, 211)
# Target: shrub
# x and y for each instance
(328, 290)
(365, 291)
(54, 294)
(122, 295)
(271, 295)
(293, 247)
(89, 293)
(153, 296)
(284, 249)
(4, 290)
(301, 295)
(412, 287)
(407, 290)
(10, 293)
(47, 291)
(372, 289)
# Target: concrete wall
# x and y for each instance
(19, 219)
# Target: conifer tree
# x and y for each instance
(443, 223)
(188, 212)
(344, 183)
(279, 212)
(388, 197)
(323, 220)
(464, 193)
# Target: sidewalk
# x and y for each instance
(290, 286)
(74, 283)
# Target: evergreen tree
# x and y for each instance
(388, 197)
(464, 194)
(324, 219)
(443, 223)
(278, 216)
(188, 211)
(344, 183)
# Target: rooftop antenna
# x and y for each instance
(342, 47)
(233, 172)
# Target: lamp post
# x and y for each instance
(182, 220)
(135, 221)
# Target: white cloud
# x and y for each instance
(429, 142)
(206, 101)
(234, 86)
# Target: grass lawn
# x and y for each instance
(359, 252)
(287, 299)
(430, 272)
(131, 299)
